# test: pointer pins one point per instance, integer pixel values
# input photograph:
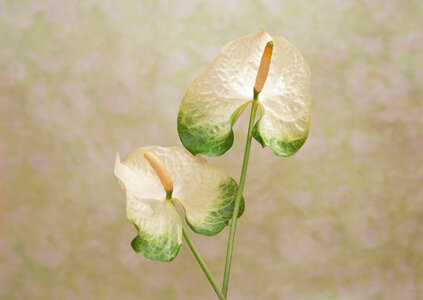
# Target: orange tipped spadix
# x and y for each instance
(263, 69)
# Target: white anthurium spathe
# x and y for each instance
(206, 194)
(217, 97)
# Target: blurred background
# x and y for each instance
(82, 80)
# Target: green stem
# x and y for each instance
(203, 265)
(239, 196)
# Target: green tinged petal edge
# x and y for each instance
(207, 139)
(219, 217)
(158, 248)
(279, 147)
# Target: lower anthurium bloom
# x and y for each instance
(217, 97)
(206, 194)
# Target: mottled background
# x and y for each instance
(81, 80)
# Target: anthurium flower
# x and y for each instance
(155, 177)
(217, 97)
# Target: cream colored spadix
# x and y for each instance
(216, 98)
(160, 170)
(206, 194)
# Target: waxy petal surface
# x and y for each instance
(207, 112)
(206, 194)
(217, 96)
(157, 221)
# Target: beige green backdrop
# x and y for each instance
(81, 80)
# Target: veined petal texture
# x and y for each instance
(217, 97)
(206, 194)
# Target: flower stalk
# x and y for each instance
(262, 73)
(238, 199)
(203, 265)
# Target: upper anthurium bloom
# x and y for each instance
(153, 177)
(217, 97)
